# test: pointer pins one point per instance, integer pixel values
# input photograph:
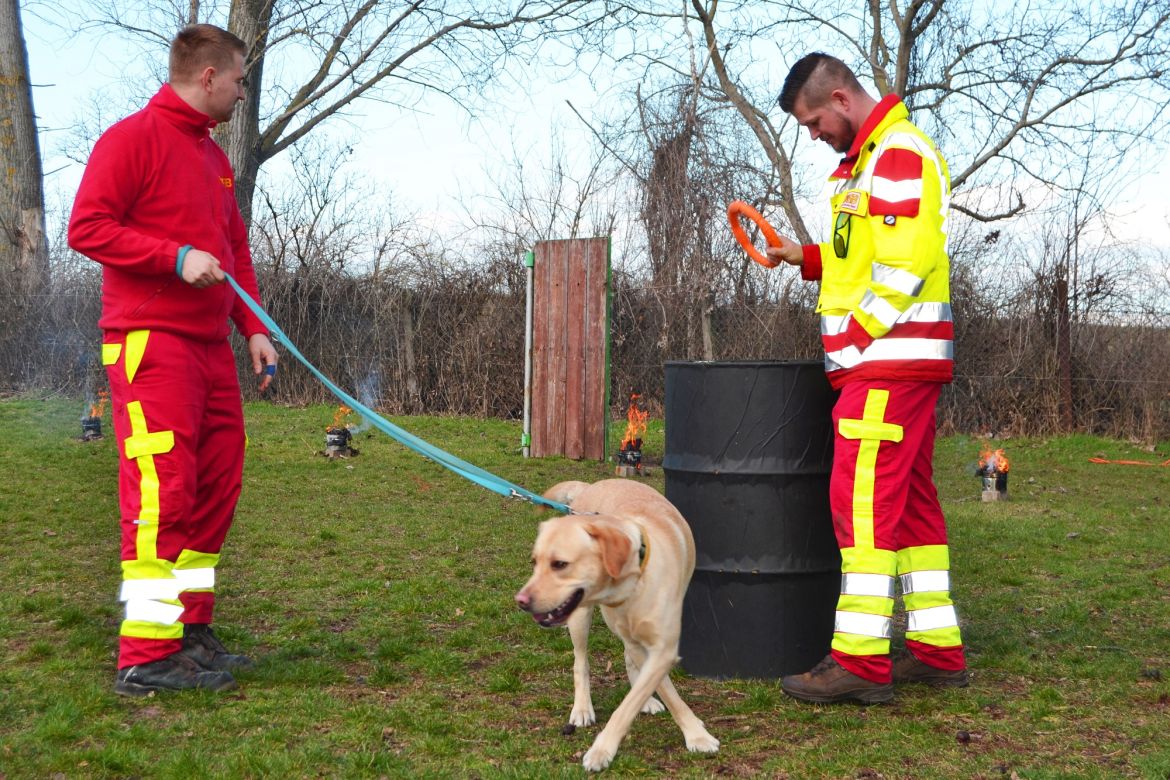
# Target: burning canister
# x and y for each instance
(91, 419)
(629, 456)
(993, 470)
(91, 428)
(337, 442)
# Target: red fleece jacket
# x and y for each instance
(156, 181)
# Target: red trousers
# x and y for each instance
(180, 430)
(890, 528)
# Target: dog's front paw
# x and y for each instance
(702, 743)
(582, 716)
(653, 706)
(598, 758)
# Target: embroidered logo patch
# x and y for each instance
(226, 181)
(890, 219)
(854, 202)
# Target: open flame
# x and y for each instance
(993, 462)
(636, 417)
(97, 409)
(339, 416)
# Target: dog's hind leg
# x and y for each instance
(635, 656)
(579, 624)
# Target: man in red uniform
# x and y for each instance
(156, 208)
(887, 331)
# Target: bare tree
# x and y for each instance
(23, 253)
(1011, 92)
(311, 63)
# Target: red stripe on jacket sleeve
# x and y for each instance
(895, 165)
(899, 165)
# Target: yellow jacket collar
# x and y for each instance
(888, 111)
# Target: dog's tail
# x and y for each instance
(566, 492)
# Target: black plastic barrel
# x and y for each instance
(749, 451)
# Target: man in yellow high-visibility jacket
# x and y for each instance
(887, 331)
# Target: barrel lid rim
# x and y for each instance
(744, 363)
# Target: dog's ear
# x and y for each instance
(615, 547)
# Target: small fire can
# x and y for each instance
(995, 486)
(91, 428)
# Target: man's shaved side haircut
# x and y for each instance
(198, 46)
(815, 76)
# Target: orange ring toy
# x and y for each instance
(735, 212)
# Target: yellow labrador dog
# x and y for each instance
(627, 549)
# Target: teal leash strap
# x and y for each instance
(461, 467)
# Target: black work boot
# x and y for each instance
(176, 672)
(202, 646)
(828, 681)
(908, 669)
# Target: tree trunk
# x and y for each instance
(240, 138)
(24, 256)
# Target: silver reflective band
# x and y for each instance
(842, 358)
(836, 324)
(894, 191)
(196, 578)
(854, 584)
(897, 279)
(149, 589)
(863, 624)
(880, 308)
(931, 618)
(891, 349)
(905, 349)
(928, 312)
(149, 611)
(925, 581)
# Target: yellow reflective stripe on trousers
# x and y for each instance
(933, 561)
(146, 539)
(927, 557)
(863, 623)
(142, 445)
(870, 605)
(871, 431)
(852, 608)
(141, 629)
(135, 349)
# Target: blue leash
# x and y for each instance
(460, 467)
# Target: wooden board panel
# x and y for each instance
(596, 349)
(570, 333)
(575, 369)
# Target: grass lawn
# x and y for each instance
(376, 595)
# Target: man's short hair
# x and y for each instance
(815, 76)
(198, 46)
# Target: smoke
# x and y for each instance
(368, 391)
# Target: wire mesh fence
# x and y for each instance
(453, 344)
